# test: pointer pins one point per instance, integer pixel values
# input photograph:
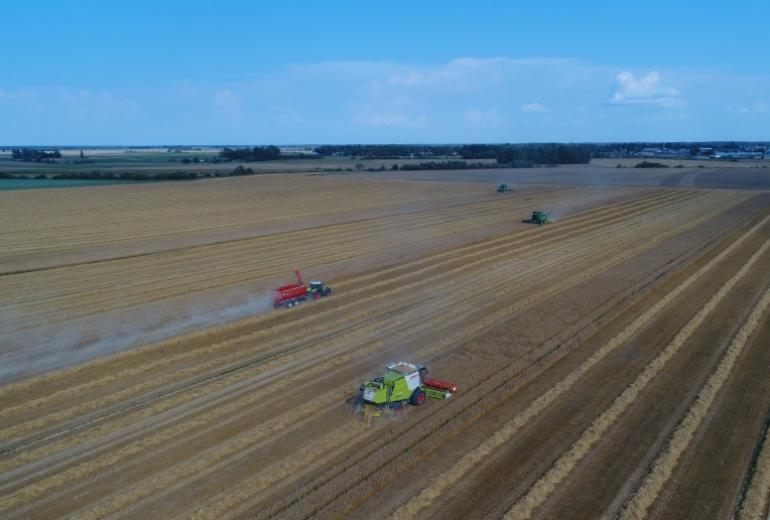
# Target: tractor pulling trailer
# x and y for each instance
(294, 293)
(405, 382)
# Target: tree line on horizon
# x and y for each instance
(257, 153)
(504, 154)
(34, 155)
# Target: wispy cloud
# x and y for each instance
(226, 99)
(646, 90)
(533, 107)
(478, 117)
(757, 107)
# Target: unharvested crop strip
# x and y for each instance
(483, 450)
(664, 465)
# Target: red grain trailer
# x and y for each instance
(291, 294)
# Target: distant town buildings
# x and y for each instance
(706, 152)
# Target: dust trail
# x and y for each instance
(755, 504)
(471, 460)
(564, 465)
(42, 349)
(663, 467)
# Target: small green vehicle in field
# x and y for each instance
(404, 382)
(503, 188)
(538, 217)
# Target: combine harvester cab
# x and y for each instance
(404, 382)
(294, 293)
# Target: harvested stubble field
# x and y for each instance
(610, 364)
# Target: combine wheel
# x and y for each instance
(418, 397)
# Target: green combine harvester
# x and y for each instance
(538, 217)
(503, 188)
(404, 382)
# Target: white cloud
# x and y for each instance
(646, 90)
(533, 107)
(482, 117)
(465, 74)
(408, 80)
(376, 116)
(758, 107)
(286, 115)
(226, 99)
(84, 104)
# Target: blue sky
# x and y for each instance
(234, 72)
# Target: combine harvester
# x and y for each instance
(404, 382)
(503, 188)
(538, 217)
(293, 293)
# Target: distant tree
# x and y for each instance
(81, 154)
(258, 153)
(650, 164)
(31, 154)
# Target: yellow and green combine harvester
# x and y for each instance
(405, 382)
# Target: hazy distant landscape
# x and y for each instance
(38, 167)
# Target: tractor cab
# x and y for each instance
(317, 289)
(400, 383)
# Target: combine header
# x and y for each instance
(293, 293)
(538, 217)
(404, 382)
